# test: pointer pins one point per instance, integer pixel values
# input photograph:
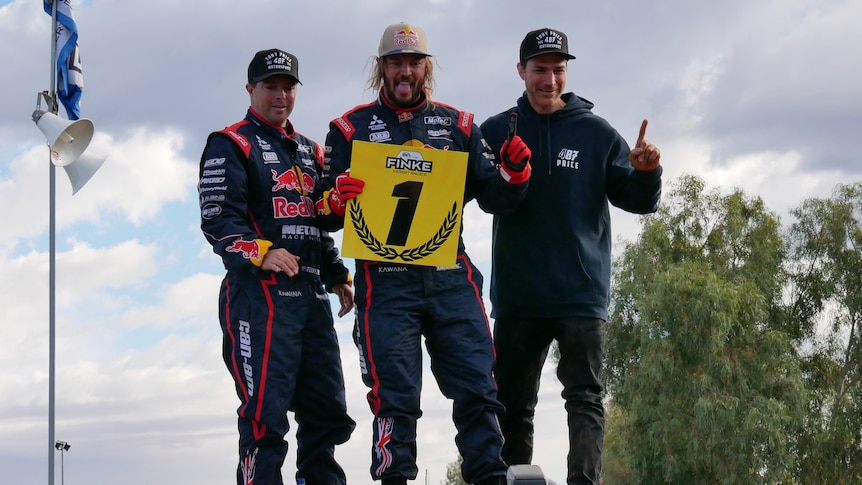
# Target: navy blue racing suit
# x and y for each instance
(259, 190)
(398, 304)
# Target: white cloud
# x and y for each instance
(146, 171)
(762, 96)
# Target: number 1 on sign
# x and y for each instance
(408, 198)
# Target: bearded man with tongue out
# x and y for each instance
(397, 304)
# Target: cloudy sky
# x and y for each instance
(763, 96)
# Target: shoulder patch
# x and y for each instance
(232, 132)
(345, 126)
(465, 121)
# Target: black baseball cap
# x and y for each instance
(272, 62)
(544, 41)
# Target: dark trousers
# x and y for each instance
(282, 351)
(398, 306)
(522, 345)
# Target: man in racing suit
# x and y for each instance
(259, 196)
(398, 304)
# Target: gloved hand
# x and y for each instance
(346, 188)
(515, 155)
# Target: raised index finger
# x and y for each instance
(641, 134)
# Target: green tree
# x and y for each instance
(453, 473)
(826, 311)
(616, 467)
(699, 368)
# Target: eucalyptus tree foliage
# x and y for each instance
(453, 473)
(698, 361)
(826, 247)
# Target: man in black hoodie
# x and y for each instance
(550, 277)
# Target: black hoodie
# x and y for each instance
(552, 256)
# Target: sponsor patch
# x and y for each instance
(210, 211)
(438, 120)
(263, 144)
(379, 136)
(568, 158)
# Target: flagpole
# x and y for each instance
(52, 107)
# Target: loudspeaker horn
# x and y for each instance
(82, 169)
(67, 138)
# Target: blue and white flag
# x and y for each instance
(70, 77)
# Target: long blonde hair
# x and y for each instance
(378, 78)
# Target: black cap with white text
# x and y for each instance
(544, 41)
(272, 62)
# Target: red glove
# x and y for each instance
(516, 160)
(346, 188)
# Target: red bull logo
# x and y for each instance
(291, 180)
(249, 249)
(285, 209)
(406, 37)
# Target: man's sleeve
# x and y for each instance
(631, 190)
(223, 191)
(332, 268)
(485, 182)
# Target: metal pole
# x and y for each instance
(52, 106)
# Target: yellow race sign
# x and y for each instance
(410, 208)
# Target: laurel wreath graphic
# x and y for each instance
(410, 254)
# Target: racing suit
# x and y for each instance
(397, 304)
(259, 189)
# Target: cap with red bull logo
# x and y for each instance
(403, 38)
